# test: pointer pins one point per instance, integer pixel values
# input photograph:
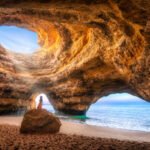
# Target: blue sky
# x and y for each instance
(121, 97)
(18, 39)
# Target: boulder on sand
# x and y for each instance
(40, 121)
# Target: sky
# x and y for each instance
(18, 39)
(24, 41)
(121, 98)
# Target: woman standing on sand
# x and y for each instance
(40, 103)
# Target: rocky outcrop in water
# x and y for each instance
(89, 49)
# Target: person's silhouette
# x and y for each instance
(40, 103)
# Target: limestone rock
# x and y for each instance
(40, 121)
(89, 49)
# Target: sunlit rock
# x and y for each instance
(89, 49)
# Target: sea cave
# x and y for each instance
(74, 54)
(81, 56)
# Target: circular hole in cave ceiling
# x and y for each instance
(18, 40)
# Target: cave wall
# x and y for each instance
(89, 49)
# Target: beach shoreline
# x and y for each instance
(72, 136)
(71, 128)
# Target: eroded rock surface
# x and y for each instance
(89, 49)
(40, 121)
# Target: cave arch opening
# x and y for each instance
(121, 110)
(46, 102)
(18, 40)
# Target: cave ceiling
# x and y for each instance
(88, 49)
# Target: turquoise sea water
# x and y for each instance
(125, 115)
(132, 116)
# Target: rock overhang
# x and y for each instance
(88, 50)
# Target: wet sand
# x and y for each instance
(72, 136)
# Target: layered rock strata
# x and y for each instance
(89, 49)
